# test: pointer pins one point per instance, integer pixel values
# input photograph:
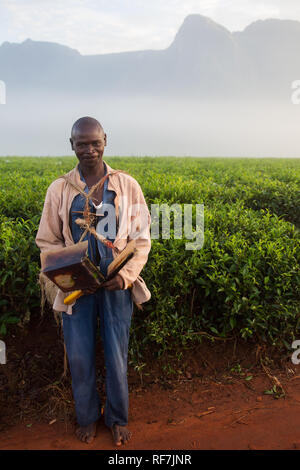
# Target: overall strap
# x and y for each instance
(87, 220)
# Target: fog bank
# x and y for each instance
(39, 124)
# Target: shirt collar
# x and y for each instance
(81, 174)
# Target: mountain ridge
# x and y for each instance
(204, 60)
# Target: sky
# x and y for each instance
(105, 26)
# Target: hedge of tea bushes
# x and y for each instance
(272, 184)
(243, 283)
(19, 267)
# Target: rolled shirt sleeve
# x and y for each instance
(50, 231)
(139, 221)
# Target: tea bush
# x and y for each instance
(19, 267)
(243, 282)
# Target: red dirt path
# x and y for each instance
(210, 405)
(167, 419)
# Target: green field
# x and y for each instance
(244, 282)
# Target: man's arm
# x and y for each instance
(49, 235)
(140, 231)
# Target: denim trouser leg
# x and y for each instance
(115, 319)
(115, 310)
(80, 340)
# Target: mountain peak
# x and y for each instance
(39, 46)
(198, 28)
(198, 20)
(273, 25)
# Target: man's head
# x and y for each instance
(88, 141)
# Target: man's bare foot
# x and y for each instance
(120, 434)
(86, 433)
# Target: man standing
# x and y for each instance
(67, 197)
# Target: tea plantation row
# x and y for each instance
(243, 283)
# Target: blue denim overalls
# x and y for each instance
(115, 310)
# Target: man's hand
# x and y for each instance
(89, 291)
(116, 283)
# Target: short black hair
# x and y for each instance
(85, 122)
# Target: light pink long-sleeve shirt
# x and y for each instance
(132, 214)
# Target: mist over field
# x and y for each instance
(40, 125)
(210, 93)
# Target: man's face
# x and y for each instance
(88, 144)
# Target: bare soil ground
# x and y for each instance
(213, 398)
